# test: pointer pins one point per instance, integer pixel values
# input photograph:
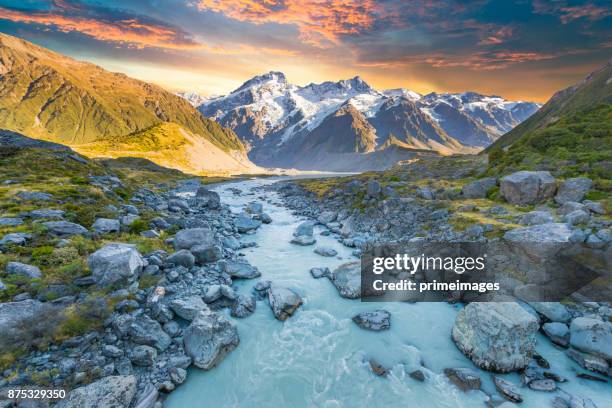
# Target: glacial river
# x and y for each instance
(319, 357)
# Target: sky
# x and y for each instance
(523, 49)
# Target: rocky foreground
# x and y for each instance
(114, 311)
(520, 210)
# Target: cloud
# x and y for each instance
(567, 13)
(320, 22)
(122, 28)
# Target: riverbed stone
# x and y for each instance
(205, 254)
(116, 263)
(239, 270)
(207, 198)
(283, 301)
(113, 392)
(143, 356)
(244, 306)
(188, 307)
(557, 332)
(376, 320)
(190, 237)
(553, 311)
(321, 272)
(592, 336)
(347, 279)
(182, 257)
(528, 187)
(305, 228)
(325, 251)
(507, 389)
(146, 331)
(498, 337)
(209, 338)
(245, 224)
(303, 240)
(464, 378)
(327, 216)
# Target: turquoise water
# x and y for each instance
(319, 357)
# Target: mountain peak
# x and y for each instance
(356, 83)
(258, 80)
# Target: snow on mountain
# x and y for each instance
(267, 112)
(194, 98)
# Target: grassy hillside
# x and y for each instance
(592, 91)
(49, 96)
(576, 144)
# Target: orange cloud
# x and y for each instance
(320, 21)
(126, 31)
(589, 11)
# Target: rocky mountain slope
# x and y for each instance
(594, 90)
(48, 96)
(272, 117)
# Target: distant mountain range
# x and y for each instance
(48, 96)
(349, 126)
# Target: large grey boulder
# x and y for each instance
(190, 237)
(592, 336)
(479, 188)
(15, 316)
(239, 270)
(208, 198)
(24, 270)
(553, 311)
(327, 217)
(528, 187)
(499, 337)
(347, 279)
(539, 242)
(188, 307)
(143, 355)
(305, 228)
(376, 320)
(573, 190)
(207, 253)
(283, 301)
(15, 238)
(557, 332)
(244, 223)
(244, 306)
(144, 330)
(106, 225)
(209, 338)
(64, 229)
(254, 208)
(182, 257)
(303, 240)
(116, 263)
(536, 218)
(108, 392)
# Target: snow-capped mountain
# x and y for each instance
(275, 119)
(194, 98)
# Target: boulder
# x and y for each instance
(303, 240)
(265, 218)
(425, 193)
(190, 237)
(589, 361)
(106, 225)
(507, 389)
(347, 279)
(113, 392)
(283, 301)
(239, 270)
(592, 336)
(244, 306)
(209, 338)
(528, 187)
(46, 213)
(569, 207)
(244, 223)
(479, 188)
(64, 229)
(15, 316)
(143, 356)
(327, 217)
(557, 332)
(306, 228)
(34, 196)
(188, 307)
(464, 378)
(207, 198)
(206, 253)
(553, 311)
(376, 320)
(116, 263)
(536, 218)
(573, 189)
(325, 251)
(539, 242)
(577, 217)
(498, 337)
(23, 270)
(254, 208)
(318, 273)
(146, 331)
(129, 219)
(10, 221)
(182, 257)
(15, 238)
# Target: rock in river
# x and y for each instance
(283, 301)
(209, 338)
(347, 279)
(496, 336)
(376, 320)
(592, 336)
(464, 378)
(325, 251)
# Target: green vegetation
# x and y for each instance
(579, 144)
